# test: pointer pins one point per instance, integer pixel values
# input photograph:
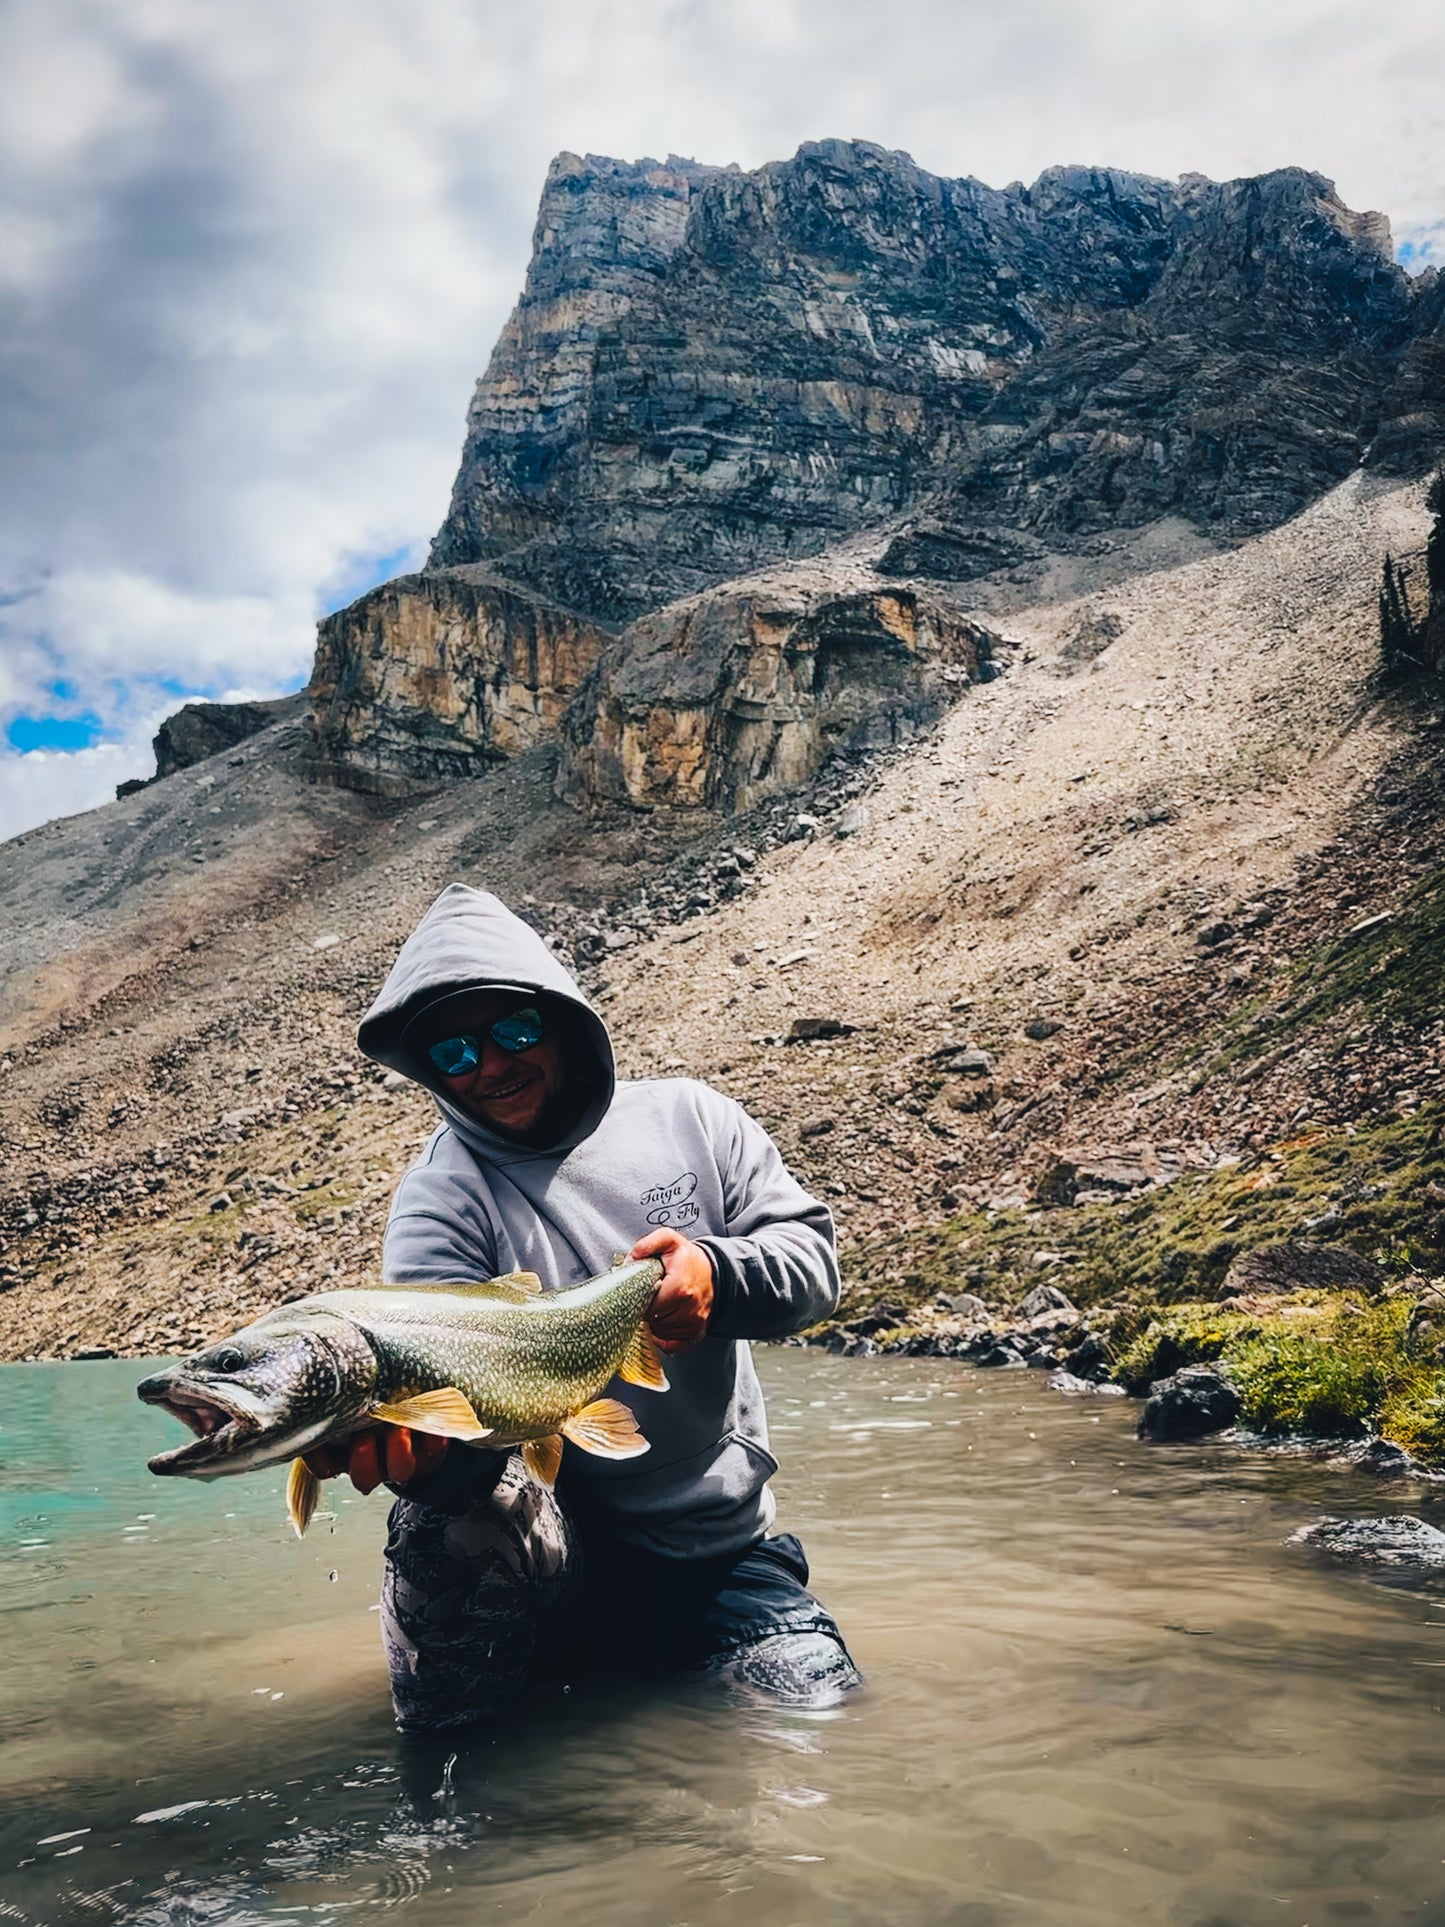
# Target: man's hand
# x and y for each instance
(382, 1454)
(678, 1314)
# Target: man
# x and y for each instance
(544, 1162)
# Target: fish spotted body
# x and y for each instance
(499, 1364)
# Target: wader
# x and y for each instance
(488, 1585)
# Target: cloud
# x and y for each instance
(252, 260)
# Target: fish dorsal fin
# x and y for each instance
(303, 1488)
(446, 1413)
(543, 1457)
(514, 1287)
(643, 1365)
(607, 1428)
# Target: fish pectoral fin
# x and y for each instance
(303, 1488)
(607, 1428)
(446, 1413)
(643, 1363)
(543, 1457)
(514, 1287)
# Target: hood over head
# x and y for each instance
(468, 941)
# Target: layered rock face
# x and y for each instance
(714, 377)
(433, 676)
(728, 697)
(711, 370)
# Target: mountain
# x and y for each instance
(914, 648)
(836, 380)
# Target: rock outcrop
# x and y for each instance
(200, 730)
(728, 697)
(432, 676)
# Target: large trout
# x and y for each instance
(497, 1364)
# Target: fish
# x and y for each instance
(496, 1364)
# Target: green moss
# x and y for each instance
(1195, 1335)
(1330, 1368)
(1413, 1416)
(1391, 973)
(1176, 1243)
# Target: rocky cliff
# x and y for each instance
(433, 676)
(712, 374)
(712, 370)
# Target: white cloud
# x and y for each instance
(252, 259)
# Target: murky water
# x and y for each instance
(1101, 1691)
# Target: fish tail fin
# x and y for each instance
(543, 1457)
(303, 1488)
(607, 1428)
(643, 1363)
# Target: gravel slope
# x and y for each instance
(189, 1134)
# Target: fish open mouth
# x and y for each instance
(219, 1429)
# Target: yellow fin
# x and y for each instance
(303, 1488)
(643, 1363)
(446, 1413)
(543, 1457)
(516, 1287)
(607, 1428)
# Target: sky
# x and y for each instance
(254, 257)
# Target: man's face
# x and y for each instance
(509, 1091)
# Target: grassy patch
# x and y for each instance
(1331, 1368)
(1390, 973)
(1365, 1189)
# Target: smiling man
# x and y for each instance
(545, 1161)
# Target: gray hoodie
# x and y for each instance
(659, 1151)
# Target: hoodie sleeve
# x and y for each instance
(438, 1232)
(777, 1270)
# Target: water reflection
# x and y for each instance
(1101, 1689)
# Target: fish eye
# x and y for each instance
(230, 1359)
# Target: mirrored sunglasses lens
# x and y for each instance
(519, 1031)
(453, 1055)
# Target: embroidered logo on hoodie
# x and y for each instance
(672, 1203)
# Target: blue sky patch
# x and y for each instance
(54, 732)
(362, 572)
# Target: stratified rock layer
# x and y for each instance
(726, 698)
(712, 370)
(433, 676)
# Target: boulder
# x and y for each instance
(810, 1030)
(1401, 1543)
(1280, 1268)
(1195, 1402)
(1113, 1172)
(1072, 1386)
(1048, 1301)
(963, 1060)
(965, 1305)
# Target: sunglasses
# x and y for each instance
(519, 1030)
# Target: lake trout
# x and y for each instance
(498, 1364)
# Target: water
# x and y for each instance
(1101, 1690)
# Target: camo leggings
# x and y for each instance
(481, 1596)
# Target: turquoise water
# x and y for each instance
(1101, 1690)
